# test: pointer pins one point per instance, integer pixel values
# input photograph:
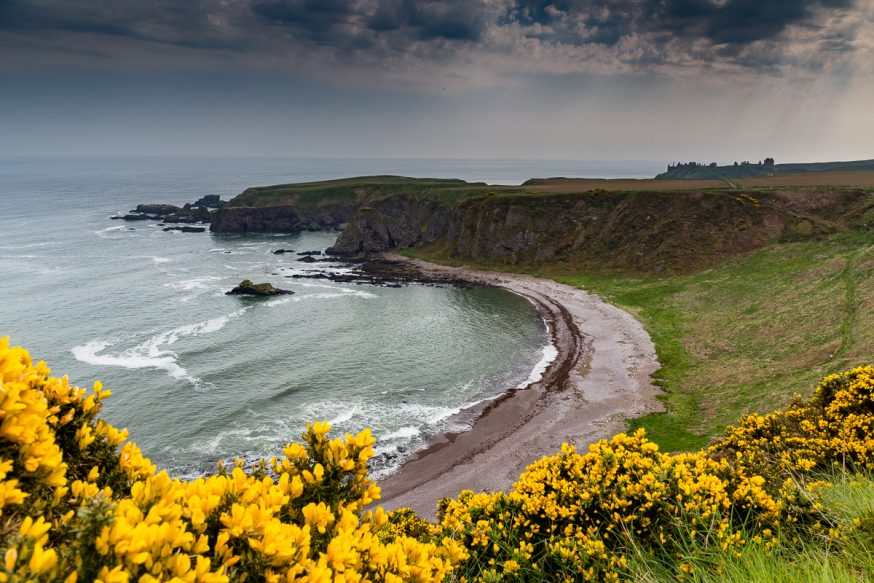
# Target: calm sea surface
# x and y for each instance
(197, 375)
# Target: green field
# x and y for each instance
(357, 191)
(746, 335)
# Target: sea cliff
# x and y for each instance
(647, 231)
(633, 227)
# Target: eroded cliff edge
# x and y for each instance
(643, 231)
(550, 221)
(319, 205)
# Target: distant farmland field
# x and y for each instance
(826, 178)
(622, 185)
(863, 178)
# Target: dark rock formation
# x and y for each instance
(280, 219)
(384, 273)
(186, 229)
(247, 288)
(307, 259)
(156, 209)
(394, 222)
(210, 201)
(189, 213)
(309, 253)
(283, 251)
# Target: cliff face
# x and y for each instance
(647, 232)
(280, 218)
(329, 203)
(395, 222)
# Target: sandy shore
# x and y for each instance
(599, 378)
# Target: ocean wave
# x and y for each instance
(152, 353)
(105, 233)
(405, 432)
(321, 296)
(197, 286)
(29, 246)
(549, 353)
(344, 290)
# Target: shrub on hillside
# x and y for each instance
(80, 503)
(582, 516)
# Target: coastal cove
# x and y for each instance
(599, 378)
(198, 375)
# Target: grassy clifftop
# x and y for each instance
(353, 190)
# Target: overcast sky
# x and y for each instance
(718, 80)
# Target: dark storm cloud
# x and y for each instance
(741, 21)
(453, 20)
(340, 22)
(318, 20)
(607, 21)
(185, 24)
(370, 33)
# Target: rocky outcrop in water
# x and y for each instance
(247, 288)
(185, 229)
(197, 212)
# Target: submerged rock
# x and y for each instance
(247, 288)
(186, 229)
(283, 251)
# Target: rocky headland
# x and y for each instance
(647, 226)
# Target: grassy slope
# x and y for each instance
(848, 502)
(745, 336)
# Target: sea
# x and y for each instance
(197, 375)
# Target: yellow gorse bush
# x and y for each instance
(577, 516)
(79, 503)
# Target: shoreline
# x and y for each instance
(599, 377)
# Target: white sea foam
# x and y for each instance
(403, 433)
(321, 296)
(197, 286)
(153, 353)
(29, 246)
(343, 417)
(319, 285)
(105, 233)
(549, 354)
(279, 302)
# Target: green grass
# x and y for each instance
(745, 336)
(848, 501)
(358, 190)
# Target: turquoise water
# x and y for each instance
(197, 375)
